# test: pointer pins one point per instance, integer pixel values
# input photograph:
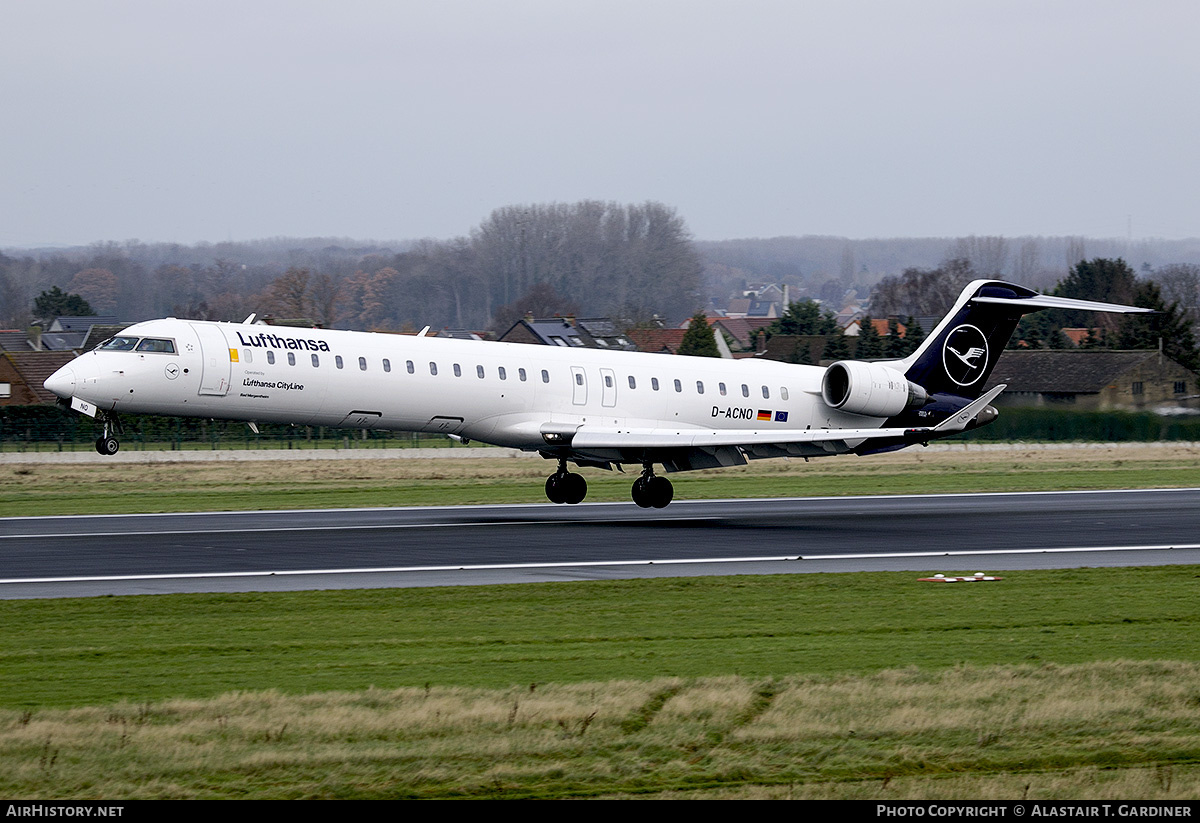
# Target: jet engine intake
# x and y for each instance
(872, 389)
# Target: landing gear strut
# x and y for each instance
(106, 443)
(565, 487)
(651, 490)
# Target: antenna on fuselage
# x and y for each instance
(422, 332)
(250, 319)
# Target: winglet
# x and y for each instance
(959, 421)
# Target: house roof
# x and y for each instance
(35, 366)
(1064, 371)
(14, 340)
(738, 307)
(70, 323)
(63, 340)
(657, 340)
(584, 332)
(1076, 336)
(763, 308)
(739, 328)
(461, 334)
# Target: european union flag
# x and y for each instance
(780, 417)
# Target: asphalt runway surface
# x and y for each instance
(466, 545)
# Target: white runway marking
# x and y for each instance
(591, 563)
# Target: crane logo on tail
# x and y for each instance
(965, 355)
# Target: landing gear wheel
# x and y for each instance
(661, 492)
(107, 445)
(554, 489)
(640, 495)
(650, 490)
(574, 488)
(564, 487)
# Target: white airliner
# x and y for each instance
(586, 406)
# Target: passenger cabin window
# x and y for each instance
(521, 374)
(654, 383)
(503, 374)
(457, 370)
(608, 381)
(479, 372)
(119, 344)
(156, 345)
(316, 362)
(433, 368)
(783, 392)
(766, 393)
(678, 385)
(271, 358)
(387, 365)
(545, 376)
(632, 382)
(745, 390)
(291, 358)
(699, 387)
(721, 388)
(337, 361)
(362, 364)
(247, 355)
(411, 368)
(578, 378)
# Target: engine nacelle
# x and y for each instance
(872, 389)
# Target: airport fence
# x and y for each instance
(50, 428)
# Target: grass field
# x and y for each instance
(39, 489)
(1079, 683)
(1051, 684)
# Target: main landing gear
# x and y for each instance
(106, 443)
(565, 487)
(650, 490)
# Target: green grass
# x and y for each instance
(40, 489)
(1079, 683)
(82, 652)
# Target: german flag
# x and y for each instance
(764, 416)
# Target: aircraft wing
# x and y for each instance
(587, 438)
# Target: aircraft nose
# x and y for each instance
(62, 382)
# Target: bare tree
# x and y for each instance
(1180, 283)
(988, 256)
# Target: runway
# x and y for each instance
(466, 545)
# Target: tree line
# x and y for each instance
(631, 262)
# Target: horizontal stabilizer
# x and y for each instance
(1046, 301)
(959, 421)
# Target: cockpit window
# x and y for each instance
(118, 344)
(157, 344)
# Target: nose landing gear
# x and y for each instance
(106, 443)
(565, 487)
(650, 490)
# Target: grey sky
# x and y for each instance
(216, 120)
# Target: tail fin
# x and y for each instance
(960, 353)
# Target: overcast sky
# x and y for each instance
(214, 120)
